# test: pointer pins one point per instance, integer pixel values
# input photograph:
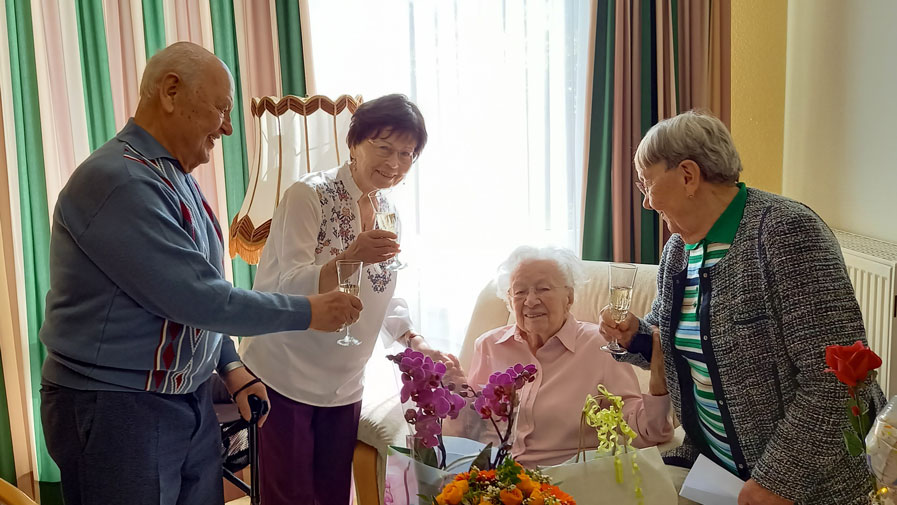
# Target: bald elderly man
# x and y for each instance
(139, 311)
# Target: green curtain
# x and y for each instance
(153, 27)
(95, 68)
(597, 239)
(33, 207)
(598, 219)
(7, 464)
(289, 38)
(650, 230)
(236, 162)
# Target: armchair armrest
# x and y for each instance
(381, 425)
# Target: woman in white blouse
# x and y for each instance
(314, 384)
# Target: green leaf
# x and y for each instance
(507, 471)
(865, 423)
(482, 461)
(853, 442)
(401, 450)
(427, 456)
(425, 499)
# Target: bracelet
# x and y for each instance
(233, 365)
(244, 386)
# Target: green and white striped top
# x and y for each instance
(705, 254)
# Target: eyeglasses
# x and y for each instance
(385, 152)
(519, 294)
(642, 187)
(645, 188)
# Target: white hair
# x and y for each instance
(187, 60)
(694, 136)
(568, 263)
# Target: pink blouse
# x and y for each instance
(570, 366)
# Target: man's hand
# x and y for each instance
(755, 494)
(657, 384)
(330, 311)
(373, 246)
(237, 378)
(621, 332)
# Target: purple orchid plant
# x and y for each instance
(498, 402)
(422, 384)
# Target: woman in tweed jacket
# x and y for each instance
(751, 289)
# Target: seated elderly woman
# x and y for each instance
(538, 285)
(751, 289)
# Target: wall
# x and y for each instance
(758, 89)
(840, 113)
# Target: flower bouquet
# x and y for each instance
(507, 484)
(430, 458)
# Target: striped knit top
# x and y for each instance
(688, 342)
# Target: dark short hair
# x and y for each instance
(393, 113)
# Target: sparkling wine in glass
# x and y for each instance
(385, 214)
(620, 299)
(622, 278)
(348, 273)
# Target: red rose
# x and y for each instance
(851, 364)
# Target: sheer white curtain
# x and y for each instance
(501, 85)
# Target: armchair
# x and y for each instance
(382, 423)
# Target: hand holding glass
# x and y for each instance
(622, 278)
(348, 273)
(385, 214)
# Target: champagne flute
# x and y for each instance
(385, 214)
(348, 272)
(622, 278)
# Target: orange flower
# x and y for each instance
(452, 493)
(485, 501)
(536, 498)
(487, 475)
(511, 496)
(462, 476)
(548, 489)
(526, 484)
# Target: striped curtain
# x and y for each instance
(653, 59)
(70, 80)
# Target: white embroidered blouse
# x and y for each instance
(317, 219)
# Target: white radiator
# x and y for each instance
(872, 266)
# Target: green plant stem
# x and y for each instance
(442, 460)
(503, 448)
(500, 445)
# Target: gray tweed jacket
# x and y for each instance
(768, 310)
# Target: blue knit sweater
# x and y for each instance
(138, 300)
